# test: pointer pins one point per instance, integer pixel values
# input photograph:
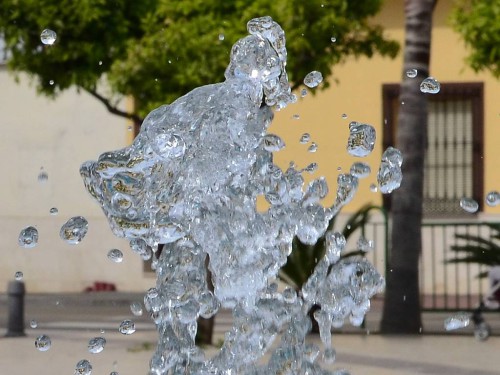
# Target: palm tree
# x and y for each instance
(401, 312)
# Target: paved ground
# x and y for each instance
(71, 320)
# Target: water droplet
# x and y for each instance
(127, 327)
(115, 255)
(459, 320)
(360, 170)
(33, 323)
(51, 82)
(273, 143)
(136, 308)
(113, 373)
(329, 355)
(296, 117)
(469, 205)
(411, 73)
(42, 176)
(313, 147)
(43, 343)
(493, 198)
(373, 188)
(344, 116)
(304, 138)
(83, 367)
(313, 79)
(303, 92)
(221, 37)
(100, 62)
(74, 230)
(18, 276)
(48, 37)
(389, 176)
(129, 128)
(333, 39)
(28, 237)
(361, 139)
(54, 211)
(96, 345)
(311, 168)
(430, 85)
(365, 244)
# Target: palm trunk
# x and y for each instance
(402, 298)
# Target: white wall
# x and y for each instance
(58, 135)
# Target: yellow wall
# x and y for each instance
(358, 93)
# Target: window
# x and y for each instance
(453, 160)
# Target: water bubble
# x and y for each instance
(43, 343)
(411, 73)
(28, 237)
(304, 138)
(127, 327)
(313, 79)
(83, 367)
(333, 39)
(303, 92)
(54, 211)
(74, 230)
(42, 176)
(96, 345)
(48, 37)
(221, 37)
(493, 198)
(33, 323)
(469, 205)
(115, 255)
(360, 170)
(430, 85)
(136, 308)
(459, 320)
(361, 139)
(18, 276)
(313, 147)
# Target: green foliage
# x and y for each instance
(158, 50)
(303, 258)
(478, 22)
(477, 249)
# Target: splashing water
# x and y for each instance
(190, 182)
(492, 198)
(136, 308)
(304, 138)
(18, 276)
(360, 170)
(48, 37)
(389, 175)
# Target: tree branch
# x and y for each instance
(112, 109)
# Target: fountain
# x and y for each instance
(190, 182)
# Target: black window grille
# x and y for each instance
(453, 161)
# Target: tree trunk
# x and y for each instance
(402, 298)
